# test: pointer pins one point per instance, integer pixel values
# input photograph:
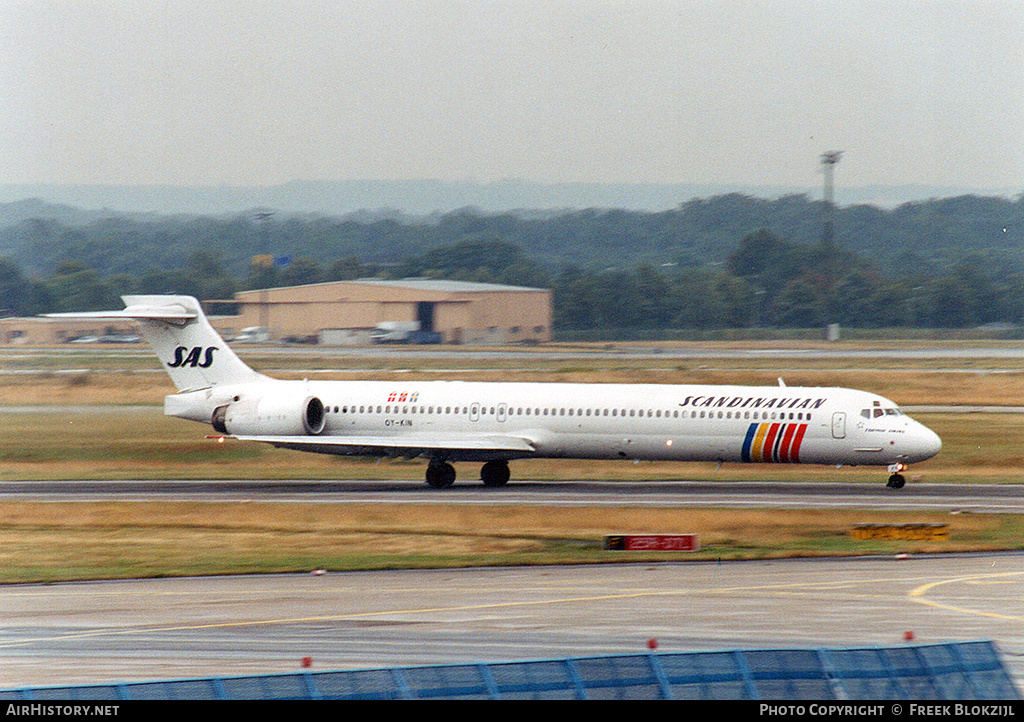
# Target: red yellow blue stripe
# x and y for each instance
(773, 442)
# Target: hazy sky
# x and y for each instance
(206, 92)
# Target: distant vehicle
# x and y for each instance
(403, 332)
(253, 334)
(108, 338)
(425, 337)
(496, 422)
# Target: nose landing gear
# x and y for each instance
(896, 480)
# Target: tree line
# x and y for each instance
(726, 262)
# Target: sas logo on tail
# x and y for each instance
(198, 357)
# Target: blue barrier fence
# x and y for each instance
(960, 671)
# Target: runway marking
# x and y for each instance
(788, 588)
(917, 594)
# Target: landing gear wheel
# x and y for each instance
(896, 481)
(495, 473)
(440, 476)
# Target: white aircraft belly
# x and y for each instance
(452, 446)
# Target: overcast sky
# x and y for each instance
(202, 92)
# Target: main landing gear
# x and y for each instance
(441, 474)
(896, 480)
(495, 473)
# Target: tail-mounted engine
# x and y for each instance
(276, 414)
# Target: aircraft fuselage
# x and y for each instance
(766, 424)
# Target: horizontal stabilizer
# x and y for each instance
(191, 351)
(171, 313)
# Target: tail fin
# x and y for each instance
(191, 351)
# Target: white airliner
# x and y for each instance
(494, 423)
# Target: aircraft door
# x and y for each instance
(474, 412)
(502, 411)
(839, 425)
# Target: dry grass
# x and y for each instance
(46, 541)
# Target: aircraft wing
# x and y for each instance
(450, 446)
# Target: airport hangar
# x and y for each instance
(347, 312)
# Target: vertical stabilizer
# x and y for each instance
(192, 353)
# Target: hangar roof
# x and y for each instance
(405, 290)
(444, 285)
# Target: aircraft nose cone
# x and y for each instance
(927, 443)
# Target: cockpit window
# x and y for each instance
(878, 412)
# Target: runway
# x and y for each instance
(959, 498)
(101, 632)
(222, 626)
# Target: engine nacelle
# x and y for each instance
(275, 414)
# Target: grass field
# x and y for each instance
(45, 542)
(97, 415)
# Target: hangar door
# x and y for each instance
(425, 315)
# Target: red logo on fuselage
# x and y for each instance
(398, 397)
